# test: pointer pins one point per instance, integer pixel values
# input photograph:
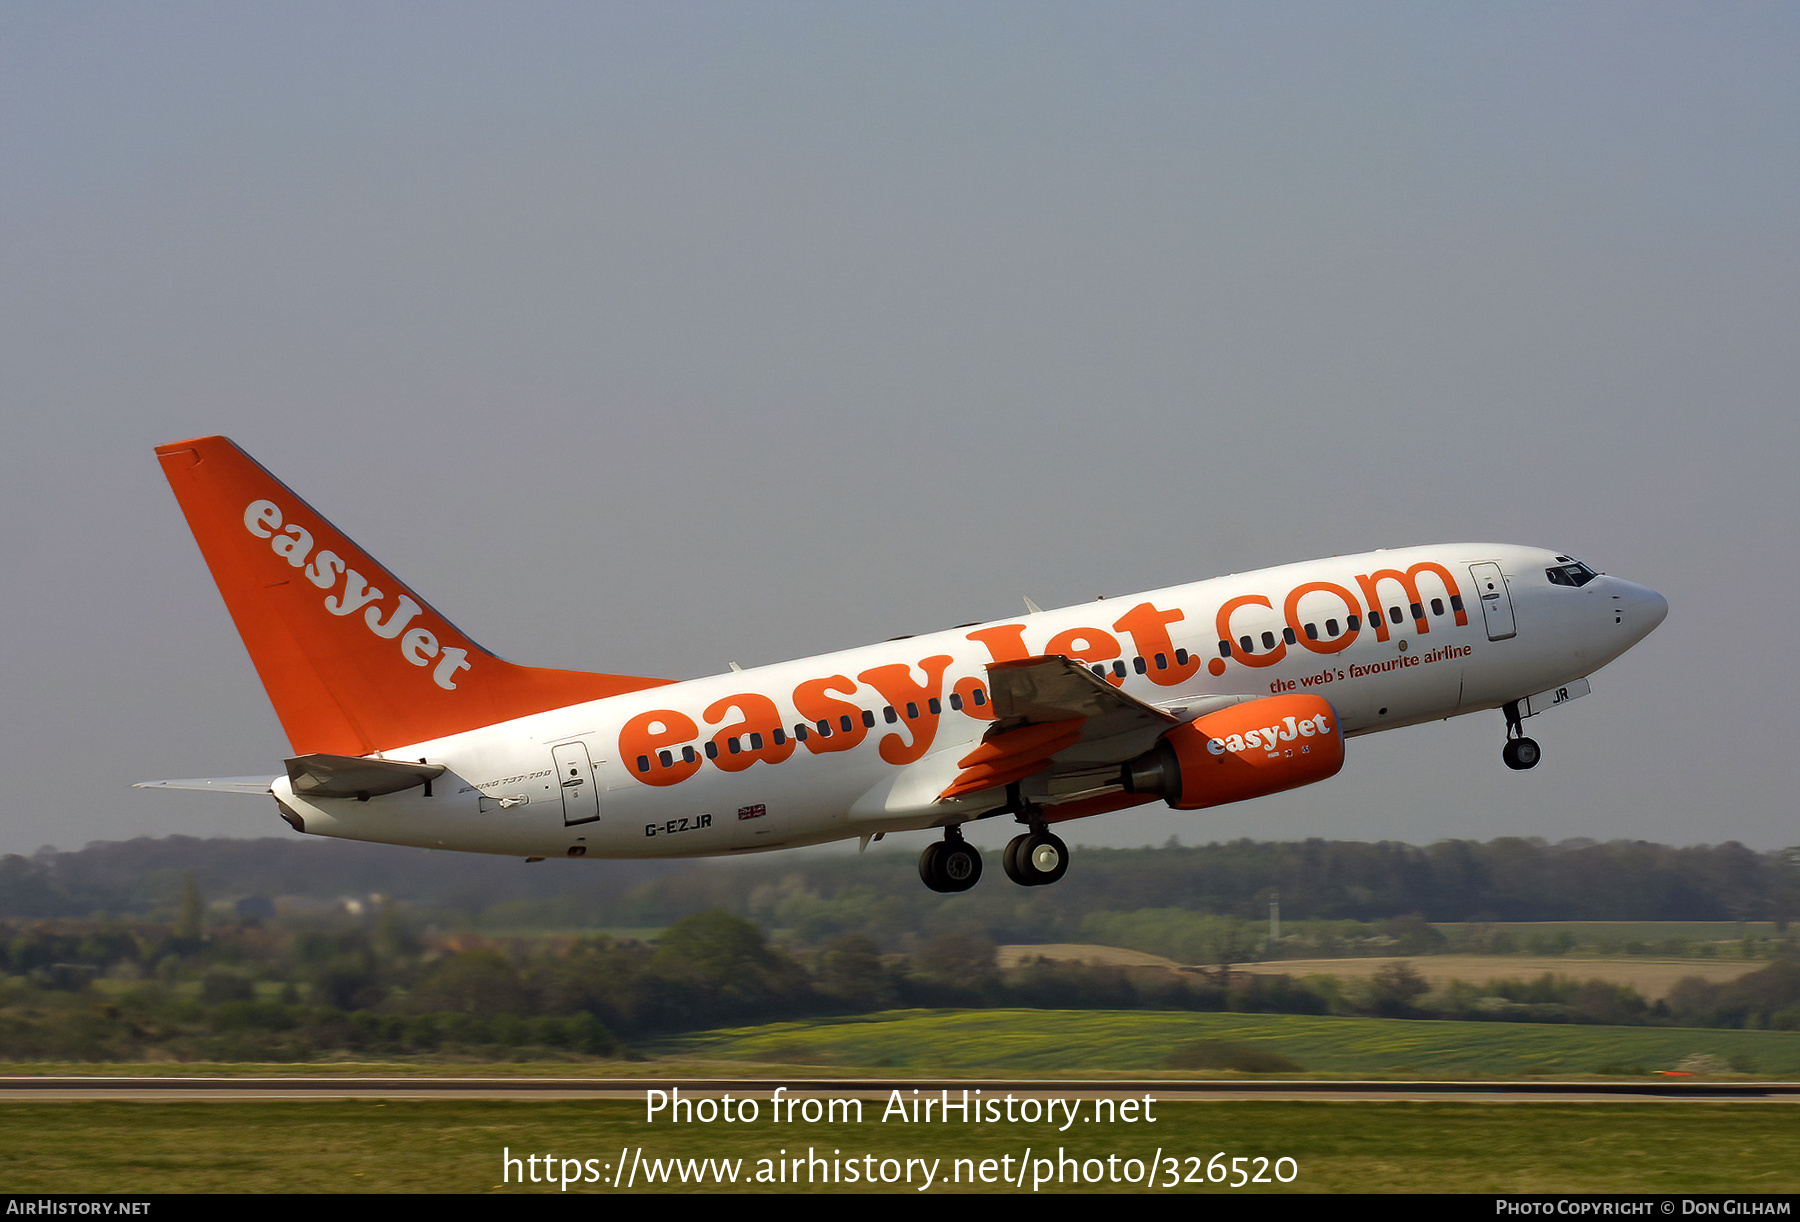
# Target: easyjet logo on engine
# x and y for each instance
(351, 592)
(1269, 738)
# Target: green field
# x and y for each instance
(1058, 1042)
(448, 1146)
(336, 1145)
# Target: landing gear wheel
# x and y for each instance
(1010, 859)
(930, 872)
(1521, 753)
(1036, 859)
(950, 865)
(961, 863)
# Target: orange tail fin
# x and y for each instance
(353, 661)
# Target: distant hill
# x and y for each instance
(822, 895)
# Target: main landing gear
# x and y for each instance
(1033, 859)
(1036, 859)
(950, 864)
(1520, 752)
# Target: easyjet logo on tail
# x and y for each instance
(350, 593)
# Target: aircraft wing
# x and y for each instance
(1054, 714)
(1048, 689)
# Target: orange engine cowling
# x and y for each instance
(1245, 751)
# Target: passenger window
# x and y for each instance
(1456, 603)
(887, 711)
(668, 761)
(1437, 606)
(1394, 614)
(1331, 627)
(824, 728)
(756, 742)
(800, 733)
(956, 701)
(845, 722)
(868, 717)
(688, 756)
(1181, 657)
(1418, 611)
(780, 736)
(1245, 644)
(1137, 664)
(980, 697)
(1354, 623)
(1268, 640)
(933, 705)
(732, 745)
(712, 749)
(1312, 632)
(912, 711)
(1162, 661)
(1287, 634)
(643, 763)
(1224, 649)
(1119, 669)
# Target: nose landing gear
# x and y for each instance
(1520, 752)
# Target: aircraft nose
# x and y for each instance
(1640, 608)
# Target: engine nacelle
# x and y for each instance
(1245, 751)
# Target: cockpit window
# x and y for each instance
(1574, 573)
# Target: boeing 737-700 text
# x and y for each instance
(405, 731)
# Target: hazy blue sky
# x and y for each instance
(646, 337)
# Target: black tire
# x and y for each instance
(931, 872)
(1043, 859)
(1014, 860)
(1521, 753)
(960, 863)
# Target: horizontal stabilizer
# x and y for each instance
(346, 776)
(214, 784)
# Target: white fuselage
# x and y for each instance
(624, 777)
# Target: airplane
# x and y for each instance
(405, 731)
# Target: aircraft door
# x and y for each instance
(1496, 601)
(575, 776)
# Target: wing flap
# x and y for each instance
(1052, 713)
